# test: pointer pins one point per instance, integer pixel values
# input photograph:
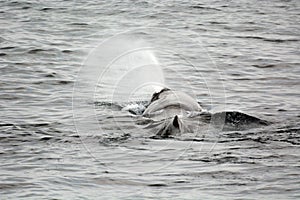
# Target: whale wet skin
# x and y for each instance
(169, 113)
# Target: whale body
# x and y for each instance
(168, 111)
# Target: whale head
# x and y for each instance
(169, 100)
(168, 107)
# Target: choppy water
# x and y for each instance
(245, 56)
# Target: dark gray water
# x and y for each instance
(245, 57)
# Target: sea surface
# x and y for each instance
(65, 130)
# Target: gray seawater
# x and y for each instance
(253, 61)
